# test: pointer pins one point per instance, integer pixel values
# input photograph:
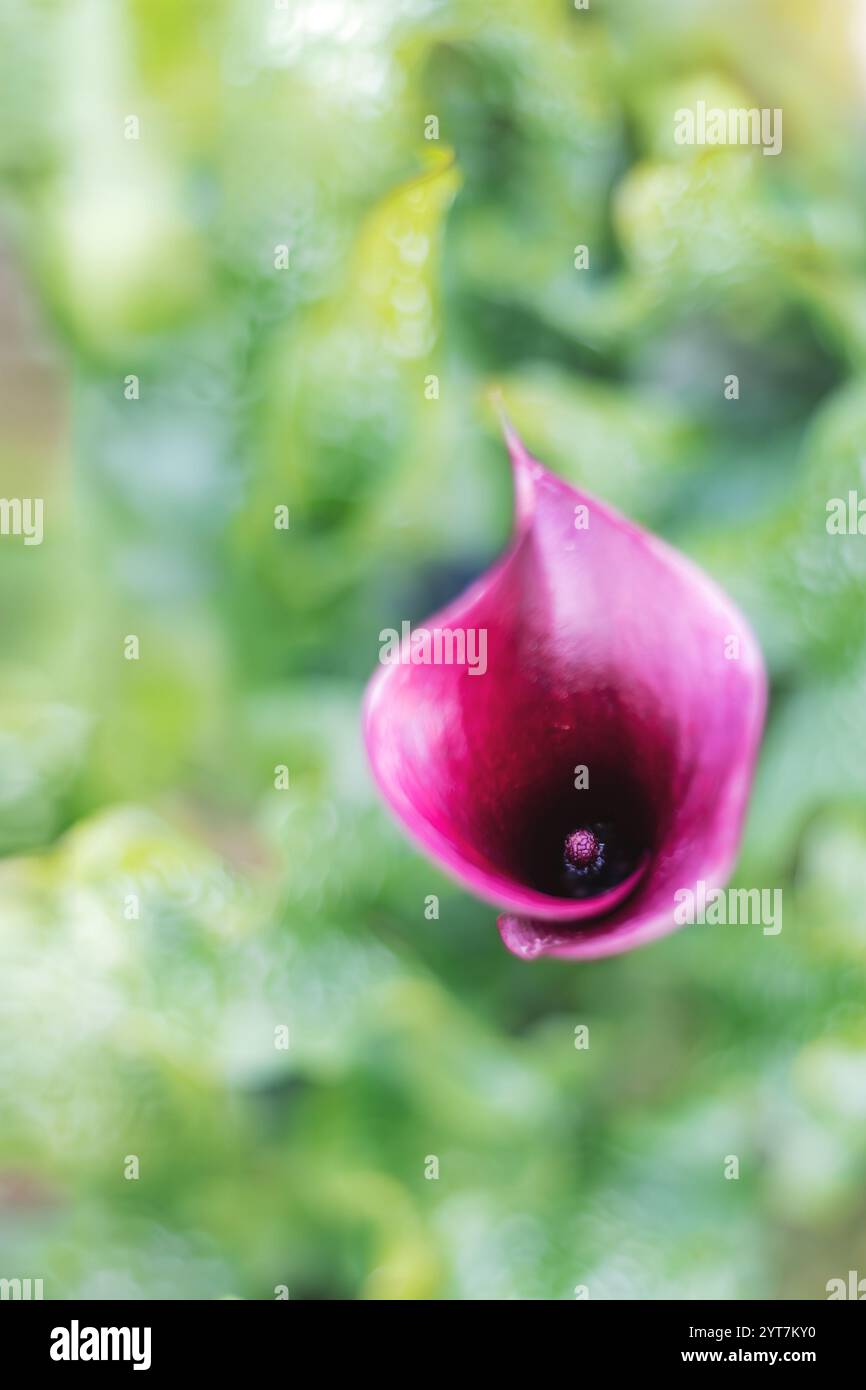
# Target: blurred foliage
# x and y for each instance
(302, 126)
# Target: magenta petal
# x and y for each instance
(605, 649)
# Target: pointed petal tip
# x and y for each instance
(515, 445)
(524, 467)
(497, 400)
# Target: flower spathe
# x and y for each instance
(605, 758)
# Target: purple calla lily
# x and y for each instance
(599, 758)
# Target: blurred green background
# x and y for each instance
(284, 261)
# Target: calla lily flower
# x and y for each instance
(599, 758)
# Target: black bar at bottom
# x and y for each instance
(236, 1336)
